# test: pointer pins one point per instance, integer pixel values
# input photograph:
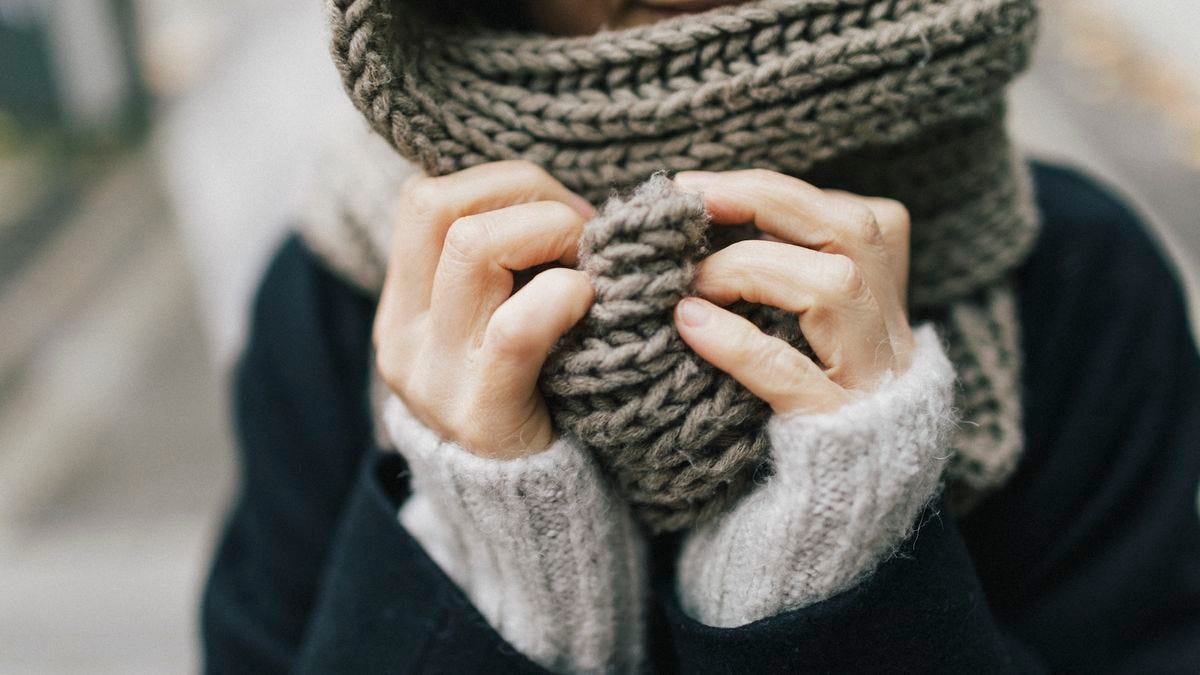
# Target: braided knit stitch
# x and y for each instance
(680, 438)
(899, 98)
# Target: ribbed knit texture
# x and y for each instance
(556, 565)
(545, 552)
(681, 440)
(847, 488)
(895, 98)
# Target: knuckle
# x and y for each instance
(576, 282)
(720, 270)
(773, 361)
(747, 344)
(389, 366)
(846, 276)
(524, 170)
(558, 212)
(742, 267)
(859, 222)
(893, 215)
(422, 195)
(578, 294)
(735, 258)
(468, 238)
(508, 338)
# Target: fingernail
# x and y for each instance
(695, 180)
(694, 313)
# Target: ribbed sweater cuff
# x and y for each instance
(846, 489)
(541, 546)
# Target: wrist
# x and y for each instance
(529, 438)
(504, 435)
(846, 489)
(539, 544)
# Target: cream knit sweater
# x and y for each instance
(554, 562)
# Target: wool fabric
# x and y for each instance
(544, 549)
(899, 98)
(847, 490)
(681, 439)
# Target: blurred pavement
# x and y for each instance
(116, 454)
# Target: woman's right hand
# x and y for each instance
(451, 338)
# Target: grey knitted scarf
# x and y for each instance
(901, 98)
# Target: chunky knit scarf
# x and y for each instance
(901, 98)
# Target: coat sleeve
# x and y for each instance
(1090, 554)
(845, 490)
(385, 606)
(300, 436)
(922, 611)
(313, 571)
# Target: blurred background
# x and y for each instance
(151, 155)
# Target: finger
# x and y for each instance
(474, 273)
(524, 328)
(838, 313)
(429, 205)
(794, 211)
(770, 368)
(783, 206)
(895, 225)
(803, 214)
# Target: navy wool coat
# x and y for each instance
(1088, 560)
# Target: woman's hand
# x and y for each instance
(840, 261)
(451, 338)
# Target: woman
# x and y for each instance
(602, 444)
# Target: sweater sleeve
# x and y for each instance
(846, 492)
(539, 544)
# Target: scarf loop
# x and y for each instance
(897, 98)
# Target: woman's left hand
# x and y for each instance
(838, 260)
